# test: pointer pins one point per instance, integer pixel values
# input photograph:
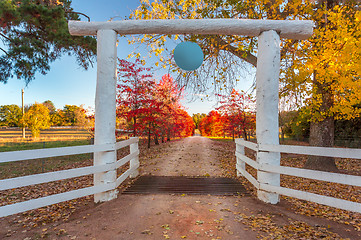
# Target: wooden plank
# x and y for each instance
(296, 29)
(247, 144)
(247, 160)
(312, 174)
(52, 199)
(312, 197)
(52, 176)
(310, 150)
(61, 175)
(52, 152)
(249, 177)
(126, 174)
(126, 159)
(125, 143)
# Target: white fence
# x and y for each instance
(66, 174)
(352, 180)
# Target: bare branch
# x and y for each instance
(80, 14)
(4, 51)
(4, 36)
(245, 55)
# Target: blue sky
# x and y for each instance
(68, 83)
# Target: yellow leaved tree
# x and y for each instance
(37, 118)
(323, 71)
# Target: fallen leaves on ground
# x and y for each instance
(292, 230)
(346, 166)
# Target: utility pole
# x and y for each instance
(22, 104)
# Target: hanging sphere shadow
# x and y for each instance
(188, 56)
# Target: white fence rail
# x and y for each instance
(17, 182)
(298, 172)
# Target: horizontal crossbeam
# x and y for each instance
(292, 29)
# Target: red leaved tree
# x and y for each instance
(237, 110)
(134, 90)
(148, 108)
(212, 125)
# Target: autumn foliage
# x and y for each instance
(234, 117)
(149, 108)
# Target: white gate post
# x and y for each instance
(240, 163)
(267, 77)
(105, 108)
(135, 161)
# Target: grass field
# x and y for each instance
(15, 134)
(11, 140)
(34, 166)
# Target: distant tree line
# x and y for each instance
(42, 116)
(235, 117)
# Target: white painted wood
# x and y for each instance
(310, 150)
(312, 197)
(239, 162)
(52, 152)
(52, 176)
(249, 177)
(125, 143)
(126, 174)
(126, 159)
(61, 175)
(249, 161)
(247, 144)
(293, 29)
(312, 174)
(267, 80)
(52, 199)
(105, 107)
(134, 163)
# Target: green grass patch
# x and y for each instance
(222, 139)
(35, 166)
(19, 146)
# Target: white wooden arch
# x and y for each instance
(267, 79)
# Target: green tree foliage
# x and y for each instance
(37, 118)
(69, 114)
(50, 105)
(35, 33)
(296, 124)
(197, 118)
(348, 132)
(10, 115)
(75, 116)
(57, 118)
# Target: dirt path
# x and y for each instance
(193, 156)
(191, 217)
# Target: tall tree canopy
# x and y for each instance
(35, 33)
(37, 118)
(324, 70)
(150, 108)
(10, 115)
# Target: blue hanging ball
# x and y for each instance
(188, 56)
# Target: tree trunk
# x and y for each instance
(156, 141)
(322, 135)
(168, 135)
(149, 136)
(245, 136)
(134, 124)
